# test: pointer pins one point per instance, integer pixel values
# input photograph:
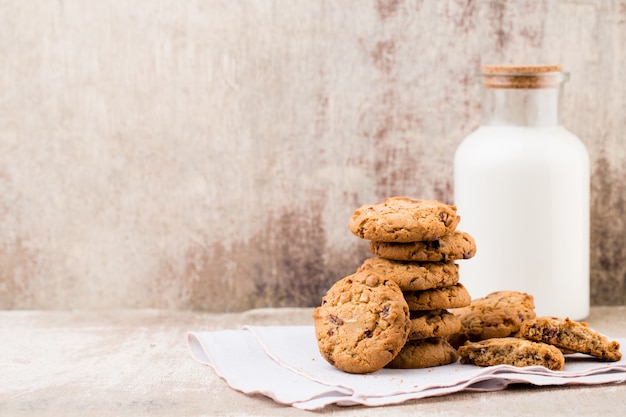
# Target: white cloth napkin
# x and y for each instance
(283, 363)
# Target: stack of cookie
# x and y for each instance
(394, 311)
(417, 245)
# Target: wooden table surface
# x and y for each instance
(136, 363)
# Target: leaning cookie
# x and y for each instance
(455, 246)
(414, 276)
(403, 219)
(362, 323)
(511, 351)
(454, 296)
(424, 354)
(499, 314)
(571, 336)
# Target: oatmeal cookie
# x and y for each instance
(424, 354)
(512, 351)
(457, 245)
(414, 276)
(362, 322)
(573, 336)
(433, 323)
(499, 314)
(403, 219)
(438, 298)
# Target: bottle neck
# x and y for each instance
(534, 107)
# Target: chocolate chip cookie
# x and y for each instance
(571, 335)
(403, 219)
(362, 322)
(424, 354)
(433, 323)
(499, 314)
(511, 351)
(414, 276)
(438, 298)
(457, 245)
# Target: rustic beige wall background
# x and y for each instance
(208, 154)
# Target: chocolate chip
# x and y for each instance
(335, 320)
(368, 333)
(551, 333)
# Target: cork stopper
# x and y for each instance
(523, 76)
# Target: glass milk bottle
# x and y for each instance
(521, 187)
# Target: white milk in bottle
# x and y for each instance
(521, 187)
